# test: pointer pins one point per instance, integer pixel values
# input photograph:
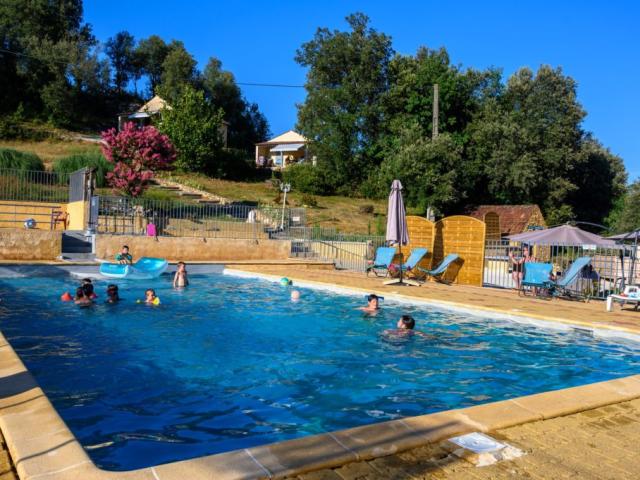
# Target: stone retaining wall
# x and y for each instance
(30, 244)
(193, 248)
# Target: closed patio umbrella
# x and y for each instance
(397, 232)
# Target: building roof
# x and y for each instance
(153, 106)
(513, 218)
(287, 137)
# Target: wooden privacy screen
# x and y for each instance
(420, 235)
(466, 237)
(492, 221)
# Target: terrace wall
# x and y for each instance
(193, 248)
(30, 244)
(14, 213)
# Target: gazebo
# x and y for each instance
(281, 151)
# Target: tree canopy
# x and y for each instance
(519, 140)
(53, 69)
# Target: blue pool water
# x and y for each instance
(230, 363)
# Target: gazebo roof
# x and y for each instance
(153, 106)
(287, 137)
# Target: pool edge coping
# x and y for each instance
(54, 452)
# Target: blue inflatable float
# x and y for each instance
(143, 269)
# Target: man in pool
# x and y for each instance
(124, 257)
(373, 304)
(405, 327)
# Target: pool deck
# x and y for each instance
(586, 432)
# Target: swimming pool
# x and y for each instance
(232, 362)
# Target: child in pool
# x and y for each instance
(81, 299)
(112, 294)
(87, 286)
(373, 304)
(180, 278)
(150, 297)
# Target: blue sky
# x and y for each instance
(596, 43)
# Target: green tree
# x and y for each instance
(247, 125)
(348, 72)
(428, 169)
(151, 53)
(178, 71)
(193, 125)
(628, 217)
(121, 51)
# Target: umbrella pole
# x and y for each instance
(401, 262)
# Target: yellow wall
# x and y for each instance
(78, 212)
(13, 214)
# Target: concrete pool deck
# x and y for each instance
(42, 447)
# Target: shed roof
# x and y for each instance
(513, 218)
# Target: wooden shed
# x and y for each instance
(503, 220)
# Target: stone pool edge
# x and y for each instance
(42, 446)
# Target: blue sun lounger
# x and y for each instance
(417, 254)
(382, 262)
(437, 272)
(536, 275)
(561, 287)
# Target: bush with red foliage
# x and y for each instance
(136, 154)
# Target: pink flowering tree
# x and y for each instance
(136, 154)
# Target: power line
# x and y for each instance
(247, 84)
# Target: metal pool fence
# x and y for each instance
(130, 216)
(127, 216)
(347, 251)
(33, 186)
(610, 268)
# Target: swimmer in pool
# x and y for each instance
(87, 286)
(405, 327)
(373, 304)
(150, 297)
(112, 294)
(180, 278)
(81, 299)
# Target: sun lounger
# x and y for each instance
(537, 276)
(437, 272)
(561, 287)
(631, 295)
(417, 254)
(382, 262)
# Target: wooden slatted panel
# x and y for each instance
(492, 221)
(421, 235)
(466, 237)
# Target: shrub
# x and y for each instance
(77, 161)
(307, 178)
(15, 159)
(309, 200)
(136, 154)
(366, 209)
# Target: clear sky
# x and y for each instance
(595, 42)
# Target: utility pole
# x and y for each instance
(436, 111)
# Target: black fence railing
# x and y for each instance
(33, 186)
(610, 267)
